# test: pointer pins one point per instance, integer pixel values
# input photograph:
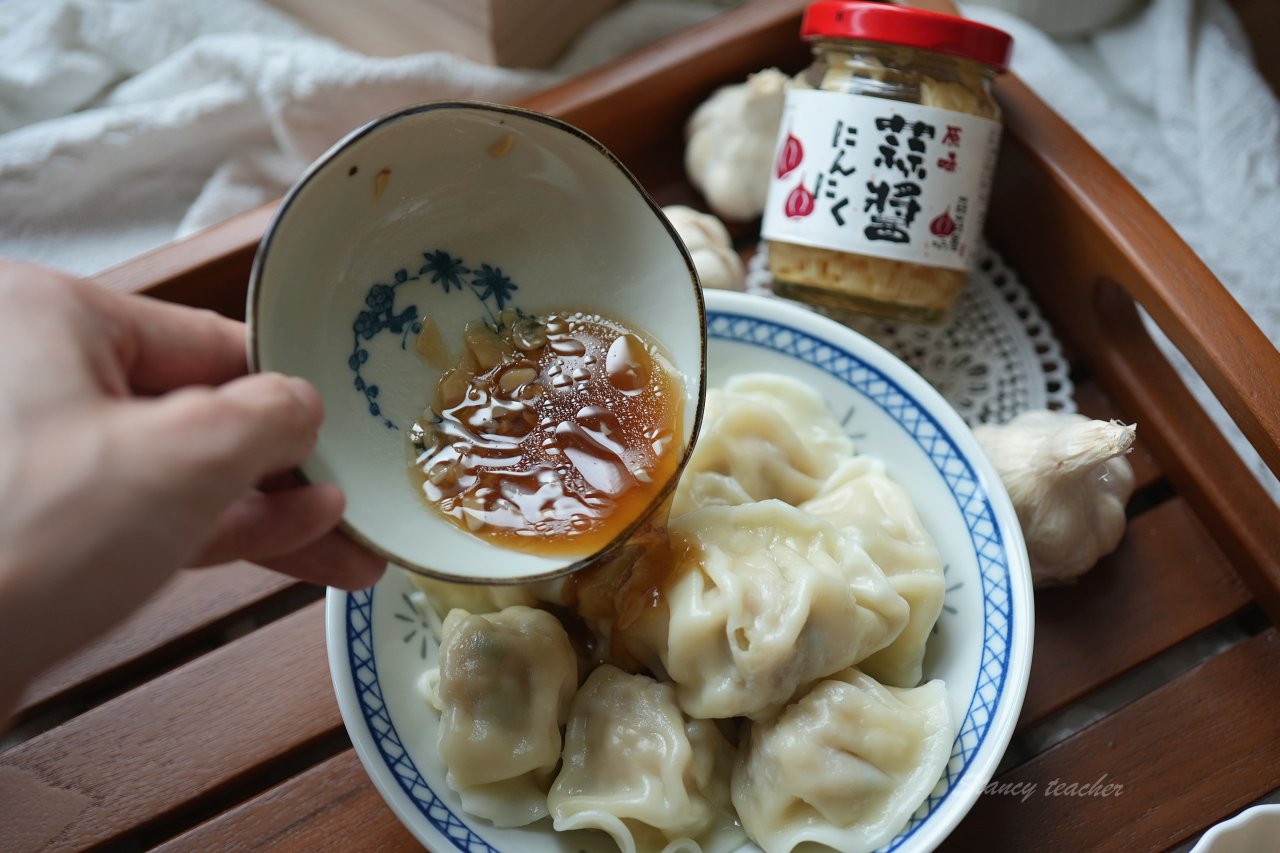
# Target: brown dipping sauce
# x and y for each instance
(552, 434)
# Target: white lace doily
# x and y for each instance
(992, 358)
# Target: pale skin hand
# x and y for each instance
(132, 444)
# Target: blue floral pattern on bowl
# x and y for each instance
(488, 284)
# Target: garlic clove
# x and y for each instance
(719, 268)
(731, 138)
(709, 245)
(1069, 482)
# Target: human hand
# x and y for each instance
(131, 444)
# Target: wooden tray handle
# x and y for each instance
(1130, 245)
(1058, 207)
(1152, 263)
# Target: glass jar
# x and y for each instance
(884, 161)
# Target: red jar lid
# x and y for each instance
(875, 21)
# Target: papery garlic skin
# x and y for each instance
(1069, 482)
(709, 245)
(731, 138)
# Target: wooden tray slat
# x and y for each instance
(1167, 581)
(193, 601)
(332, 806)
(1188, 755)
(211, 723)
(209, 269)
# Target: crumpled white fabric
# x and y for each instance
(1171, 97)
(125, 125)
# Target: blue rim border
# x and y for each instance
(951, 463)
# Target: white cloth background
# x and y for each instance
(125, 124)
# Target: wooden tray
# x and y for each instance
(208, 721)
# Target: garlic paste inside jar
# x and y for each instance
(551, 434)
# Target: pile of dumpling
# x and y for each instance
(768, 686)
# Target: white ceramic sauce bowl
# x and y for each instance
(454, 211)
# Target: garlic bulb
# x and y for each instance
(731, 138)
(709, 245)
(1069, 482)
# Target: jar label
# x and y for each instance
(881, 177)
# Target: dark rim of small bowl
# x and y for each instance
(323, 162)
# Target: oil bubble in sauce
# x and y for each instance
(627, 364)
(550, 434)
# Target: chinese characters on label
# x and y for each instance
(880, 177)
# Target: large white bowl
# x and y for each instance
(455, 211)
(379, 644)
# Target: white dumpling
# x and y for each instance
(710, 488)
(864, 502)
(763, 599)
(504, 686)
(801, 405)
(637, 769)
(845, 766)
(763, 436)
(444, 596)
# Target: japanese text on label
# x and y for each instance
(880, 177)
